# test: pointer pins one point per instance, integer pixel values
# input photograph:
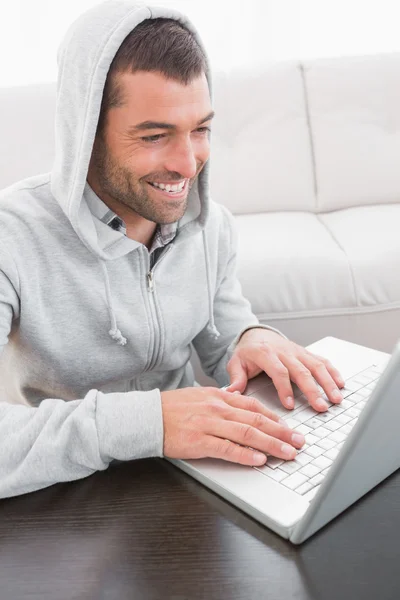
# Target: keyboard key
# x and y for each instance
(337, 409)
(274, 462)
(291, 466)
(291, 423)
(316, 480)
(332, 453)
(357, 397)
(326, 416)
(310, 495)
(353, 412)
(311, 439)
(376, 372)
(296, 410)
(350, 387)
(294, 481)
(303, 458)
(321, 432)
(275, 474)
(333, 425)
(343, 419)
(303, 429)
(304, 488)
(321, 462)
(364, 393)
(326, 443)
(337, 436)
(314, 451)
(313, 423)
(365, 378)
(309, 470)
(345, 404)
(304, 415)
(346, 429)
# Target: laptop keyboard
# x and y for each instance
(324, 433)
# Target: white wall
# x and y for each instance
(235, 32)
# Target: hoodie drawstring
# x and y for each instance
(114, 332)
(213, 328)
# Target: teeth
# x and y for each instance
(177, 187)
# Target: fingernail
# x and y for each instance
(237, 392)
(336, 395)
(288, 451)
(298, 439)
(321, 404)
(289, 402)
(258, 458)
(283, 422)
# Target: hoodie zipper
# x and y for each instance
(156, 321)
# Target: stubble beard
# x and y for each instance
(121, 185)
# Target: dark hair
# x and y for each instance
(161, 45)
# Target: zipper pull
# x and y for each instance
(150, 281)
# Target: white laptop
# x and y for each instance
(349, 449)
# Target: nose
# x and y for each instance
(182, 159)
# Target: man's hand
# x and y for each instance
(262, 350)
(202, 422)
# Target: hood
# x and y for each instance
(84, 58)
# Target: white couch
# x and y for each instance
(307, 156)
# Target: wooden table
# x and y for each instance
(145, 530)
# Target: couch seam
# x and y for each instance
(310, 134)
(327, 312)
(330, 232)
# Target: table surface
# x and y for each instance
(146, 530)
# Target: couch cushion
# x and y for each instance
(314, 275)
(27, 131)
(354, 107)
(289, 263)
(260, 152)
(369, 237)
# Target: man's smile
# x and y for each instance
(176, 190)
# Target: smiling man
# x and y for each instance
(113, 264)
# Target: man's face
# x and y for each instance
(159, 137)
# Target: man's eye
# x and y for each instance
(204, 130)
(153, 138)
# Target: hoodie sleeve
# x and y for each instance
(62, 441)
(232, 313)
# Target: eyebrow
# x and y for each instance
(160, 125)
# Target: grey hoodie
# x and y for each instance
(86, 342)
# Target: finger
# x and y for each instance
(321, 374)
(237, 375)
(269, 362)
(334, 373)
(301, 375)
(249, 403)
(277, 430)
(227, 450)
(246, 435)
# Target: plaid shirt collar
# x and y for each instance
(164, 234)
